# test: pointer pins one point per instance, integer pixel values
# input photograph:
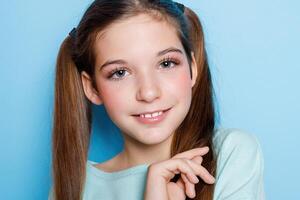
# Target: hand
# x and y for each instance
(186, 164)
(178, 190)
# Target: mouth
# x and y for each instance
(152, 118)
(152, 112)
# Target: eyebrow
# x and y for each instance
(160, 53)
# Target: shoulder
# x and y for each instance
(226, 140)
(240, 164)
(237, 146)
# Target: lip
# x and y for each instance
(153, 120)
(152, 112)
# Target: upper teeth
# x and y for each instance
(151, 115)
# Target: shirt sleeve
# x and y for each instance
(240, 167)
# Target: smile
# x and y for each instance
(152, 118)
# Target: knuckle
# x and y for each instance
(180, 162)
(190, 162)
(198, 160)
(184, 161)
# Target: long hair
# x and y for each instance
(72, 110)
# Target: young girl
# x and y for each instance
(145, 62)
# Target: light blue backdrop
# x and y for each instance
(253, 47)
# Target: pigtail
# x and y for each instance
(197, 128)
(72, 110)
(71, 128)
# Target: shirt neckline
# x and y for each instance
(142, 168)
(117, 174)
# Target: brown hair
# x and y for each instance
(72, 110)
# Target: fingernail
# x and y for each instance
(194, 178)
(213, 179)
(206, 147)
(193, 194)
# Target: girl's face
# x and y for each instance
(153, 75)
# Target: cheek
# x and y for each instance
(184, 82)
(181, 84)
(113, 98)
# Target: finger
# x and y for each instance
(174, 165)
(175, 192)
(202, 172)
(192, 153)
(180, 183)
(189, 187)
(198, 159)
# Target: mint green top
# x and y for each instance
(239, 174)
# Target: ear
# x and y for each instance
(194, 69)
(90, 92)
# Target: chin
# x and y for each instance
(154, 138)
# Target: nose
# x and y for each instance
(148, 89)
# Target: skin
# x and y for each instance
(146, 84)
(188, 164)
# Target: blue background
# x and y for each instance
(253, 49)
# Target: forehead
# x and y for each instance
(138, 35)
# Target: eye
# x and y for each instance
(166, 62)
(117, 73)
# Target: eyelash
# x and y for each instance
(167, 59)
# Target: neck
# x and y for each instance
(135, 153)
